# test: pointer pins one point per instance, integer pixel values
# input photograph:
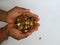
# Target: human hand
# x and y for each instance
(10, 18)
(12, 15)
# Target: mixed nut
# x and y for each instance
(25, 23)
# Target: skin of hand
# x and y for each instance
(3, 34)
(3, 15)
(12, 14)
(10, 17)
(3, 30)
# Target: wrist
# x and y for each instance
(3, 15)
(3, 34)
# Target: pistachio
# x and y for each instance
(31, 23)
(26, 22)
(20, 27)
(18, 24)
(26, 27)
(26, 31)
(18, 19)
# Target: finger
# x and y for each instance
(3, 34)
(33, 15)
(35, 27)
(14, 12)
(10, 20)
(16, 34)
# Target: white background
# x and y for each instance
(49, 14)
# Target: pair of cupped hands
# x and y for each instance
(10, 16)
